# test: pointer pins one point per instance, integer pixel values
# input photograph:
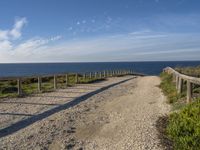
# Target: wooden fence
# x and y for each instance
(179, 79)
(90, 75)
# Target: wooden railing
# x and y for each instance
(179, 78)
(90, 75)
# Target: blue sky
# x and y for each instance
(99, 30)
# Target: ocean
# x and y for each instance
(29, 69)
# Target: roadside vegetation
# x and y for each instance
(30, 85)
(191, 71)
(183, 126)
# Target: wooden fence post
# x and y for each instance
(84, 76)
(100, 75)
(66, 80)
(189, 91)
(19, 87)
(95, 75)
(76, 78)
(55, 82)
(180, 85)
(39, 84)
(174, 77)
(177, 80)
(90, 75)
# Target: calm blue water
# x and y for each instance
(150, 68)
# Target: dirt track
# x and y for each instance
(124, 116)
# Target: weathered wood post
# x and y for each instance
(189, 91)
(95, 75)
(55, 82)
(90, 75)
(100, 75)
(66, 80)
(39, 84)
(19, 87)
(131, 72)
(174, 77)
(76, 78)
(177, 81)
(180, 85)
(104, 74)
(84, 76)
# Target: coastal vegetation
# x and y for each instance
(184, 122)
(184, 127)
(169, 88)
(191, 71)
(8, 88)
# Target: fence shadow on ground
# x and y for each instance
(26, 122)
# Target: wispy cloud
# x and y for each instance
(138, 45)
(11, 52)
(15, 32)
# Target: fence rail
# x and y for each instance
(90, 75)
(180, 78)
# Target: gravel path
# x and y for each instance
(122, 117)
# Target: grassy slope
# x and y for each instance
(184, 124)
(29, 86)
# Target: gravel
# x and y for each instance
(124, 116)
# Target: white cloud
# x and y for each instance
(3, 35)
(12, 52)
(123, 47)
(7, 36)
(78, 23)
(5, 45)
(58, 37)
(134, 46)
(16, 31)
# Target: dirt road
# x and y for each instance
(124, 116)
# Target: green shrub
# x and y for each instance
(169, 88)
(191, 71)
(184, 127)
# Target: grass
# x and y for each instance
(183, 126)
(169, 88)
(191, 71)
(30, 86)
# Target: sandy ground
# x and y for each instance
(123, 116)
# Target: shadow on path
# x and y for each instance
(161, 125)
(26, 122)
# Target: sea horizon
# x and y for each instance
(45, 68)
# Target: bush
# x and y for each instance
(169, 88)
(9, 90)
(184, 127)
(191, 71)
